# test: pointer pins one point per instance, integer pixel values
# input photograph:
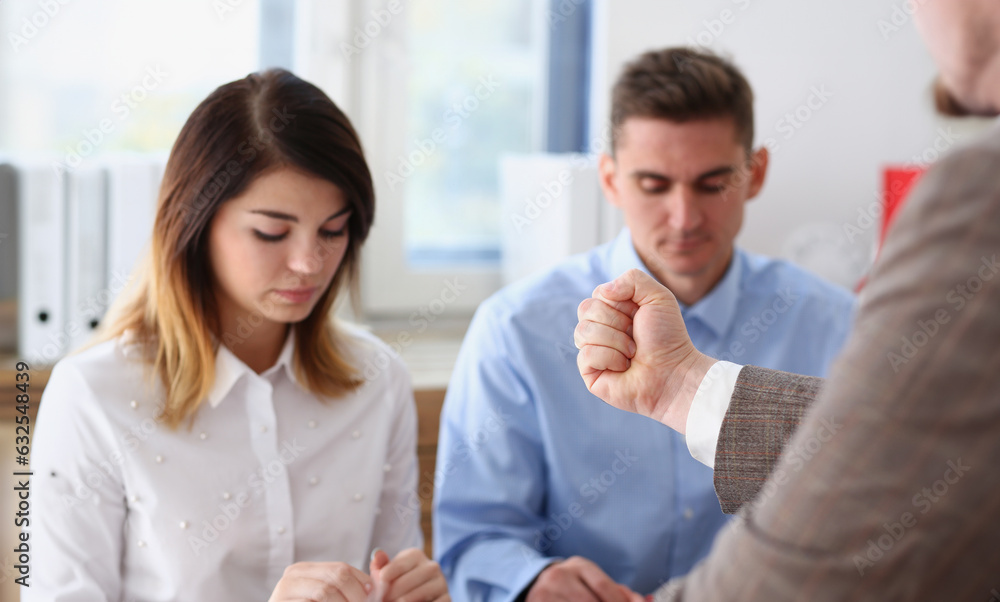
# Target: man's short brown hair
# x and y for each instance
(682, 84)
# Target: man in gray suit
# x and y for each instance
(881, 483)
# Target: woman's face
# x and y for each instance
(275, 248)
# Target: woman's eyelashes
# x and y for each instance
(269, 237)
(326, 234)
(333, 233)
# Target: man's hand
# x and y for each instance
(578, 580)
(635, 352)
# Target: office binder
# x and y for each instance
(41, 252)
(8, 231)
(132, 188)
(551, 208)
(87, 295)
(159, 167)
(8, 257)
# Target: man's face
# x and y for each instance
(682, 187)
(963, 36)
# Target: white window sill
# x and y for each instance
(429, 355)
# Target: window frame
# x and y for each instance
(366, 85)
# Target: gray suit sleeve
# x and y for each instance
(766, 408)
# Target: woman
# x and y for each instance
(218, 442)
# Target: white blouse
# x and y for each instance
(123, 508)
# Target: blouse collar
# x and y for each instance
(229, 369)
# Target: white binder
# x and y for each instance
(551, 209)
(86, 259)
(41, 297)
(159, 167)
(132, 188)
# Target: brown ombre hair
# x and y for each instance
(243, 129)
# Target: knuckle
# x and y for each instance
(341, 574)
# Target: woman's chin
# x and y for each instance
(289, 313)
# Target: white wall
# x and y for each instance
(880, 111)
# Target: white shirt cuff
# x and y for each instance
(708, 410)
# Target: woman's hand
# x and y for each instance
(409, 577)
(322, 582)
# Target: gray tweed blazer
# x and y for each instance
(882, 483)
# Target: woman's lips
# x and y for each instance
(298, 295)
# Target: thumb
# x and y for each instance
(378, 561)
(630, 596)
(638, 287)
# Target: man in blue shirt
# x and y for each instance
(537, 482)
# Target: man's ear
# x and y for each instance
(758, 171)
(607, 169)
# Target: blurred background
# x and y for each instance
(468, 111)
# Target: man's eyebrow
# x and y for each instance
(719, 171)
(712, 173)
(292, 218)
(641, 173)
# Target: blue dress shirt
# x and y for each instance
(531, 467)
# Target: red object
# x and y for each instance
(896, 185)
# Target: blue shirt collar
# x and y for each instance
(623, 256)
(716, 310)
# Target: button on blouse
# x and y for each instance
(267, 475)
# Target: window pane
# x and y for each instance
(112, 75)
(475, 92)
